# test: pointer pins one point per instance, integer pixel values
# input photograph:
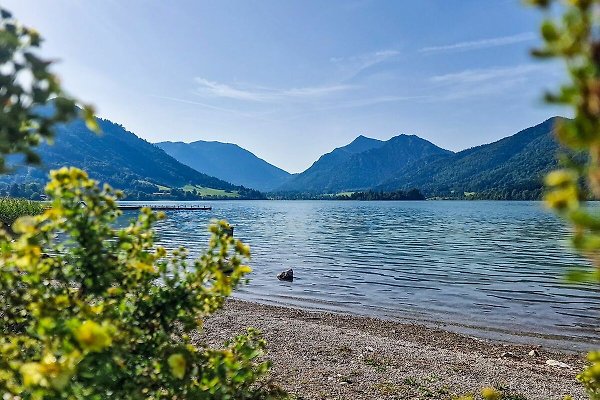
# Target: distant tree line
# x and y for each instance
(492, 194)
(506, 194)
(138, 191)
(147, 191)
(412, 194)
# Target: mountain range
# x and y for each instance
(123, 160)
(229, 162)
(510, 168)
(366, 163)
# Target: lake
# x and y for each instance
(490, 268)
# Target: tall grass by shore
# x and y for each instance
(12, 208)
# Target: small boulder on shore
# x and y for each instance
(559, 364)
(287, 276)
(508, 354)
(534, 353)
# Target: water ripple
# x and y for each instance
(487, 264)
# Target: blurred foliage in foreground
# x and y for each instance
(575, 39)
(90, 311)
(26, 83)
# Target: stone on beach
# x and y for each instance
(286, 275)
(508, 354)
(554, 363)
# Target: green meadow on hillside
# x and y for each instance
(206, 191)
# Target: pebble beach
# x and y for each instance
(322, 355)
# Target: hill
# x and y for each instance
(228, 162)
(123, 160)
(363, 164)
(510, 168)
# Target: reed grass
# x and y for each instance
(12, 208)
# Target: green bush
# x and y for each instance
(88, 311)
(94, 312)
(12, 208)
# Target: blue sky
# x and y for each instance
(291, 80)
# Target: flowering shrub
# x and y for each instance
(90, 311)
(574, 39)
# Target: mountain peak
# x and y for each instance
(362, 137)
(227, 161)
(362, 143)
(365, 162)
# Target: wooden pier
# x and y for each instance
(165, 207)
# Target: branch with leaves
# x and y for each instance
(32, 100)
(575, 39)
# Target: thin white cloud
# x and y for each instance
(214, 89)
(222, 90)
(211, 107)
(481, 44)
(485, 81)
(352, 66)
(316, 91)
(486, 74)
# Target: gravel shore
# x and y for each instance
(320, 355)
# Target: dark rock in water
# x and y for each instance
(286, 275)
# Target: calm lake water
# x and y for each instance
(488, 267)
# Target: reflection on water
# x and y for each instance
(482, 264)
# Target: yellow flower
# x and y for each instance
(143, 267)
(244, 269)
(50, 371)
(161, 252)
(97, 309)
(32, 374)
(489, 393)
(92, 336)
(177, 363)
(114, 291)
(29, 257)
(24, 225)
(61, 301)
(560, 177)
(243, 249)
(562, 199)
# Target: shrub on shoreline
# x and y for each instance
(110, 314)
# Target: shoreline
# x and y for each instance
(560, 343)
(326, 355)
